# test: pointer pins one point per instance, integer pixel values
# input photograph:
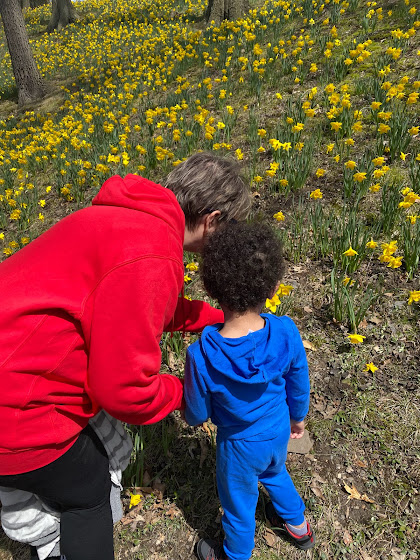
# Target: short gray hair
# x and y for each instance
(205, 183)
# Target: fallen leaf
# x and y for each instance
(318, 492)
(389, 294)
(209, 428)
(347, 538)
(172, 512)
(361, 463)
(270, 537)
(308, 345)
(355, 494)
(172, 361)
(363, 324)
(307, 310)
(374, 320)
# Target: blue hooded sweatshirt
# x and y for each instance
(248, 385)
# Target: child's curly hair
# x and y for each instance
(242, 264)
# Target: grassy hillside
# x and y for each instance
(320, 102)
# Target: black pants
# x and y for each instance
(78, 486)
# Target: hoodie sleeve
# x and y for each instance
(197, 397)
(297, 378)
(131, 306)
(194, 315)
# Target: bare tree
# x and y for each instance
(218, 10)
(29, 83)
(63, 13)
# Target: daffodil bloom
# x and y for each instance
(414, 130)
(298, 127)
(316, 194)
(320, 172)
(403, 156)
(279, 216)
(383, 128)
(390, 248)
(378, 161)
(187, 278)
(414, 297)
(370, 367)
(412, 219)
(371, 244)
(192, 266)
(134, 500)
(375, 188)
(284, 290)
(335, 125)
(395, 262)
(283, 182)
(360, 176)
(350, 252)
(272, 303)
(350, 164)
(356, 338)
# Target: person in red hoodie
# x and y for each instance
(82, 310)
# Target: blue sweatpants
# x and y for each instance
(240, 465)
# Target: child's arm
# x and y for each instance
(196, 395)
(297, 383)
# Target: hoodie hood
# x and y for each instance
(140, 194)
(258, 357)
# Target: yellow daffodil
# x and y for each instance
(284, 290)
(370, 367)
(356, 338)
(360, 176)
(279, 216)
(192, 266)
(272, 303)
(371, 244)
(316, 194)
(350, 252)
(350, 164)
(414, 297)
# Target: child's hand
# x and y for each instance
(296, 429)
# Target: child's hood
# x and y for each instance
(257, 358)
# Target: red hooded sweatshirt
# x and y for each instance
(82, 310)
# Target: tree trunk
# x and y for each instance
(62, 14)
(29, 83)
(24, 4)
(36, 3)
(218, 10)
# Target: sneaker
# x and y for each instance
(210, 550)
(304, 542)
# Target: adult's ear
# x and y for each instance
(211, 221)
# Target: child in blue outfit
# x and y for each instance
(250, 375)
